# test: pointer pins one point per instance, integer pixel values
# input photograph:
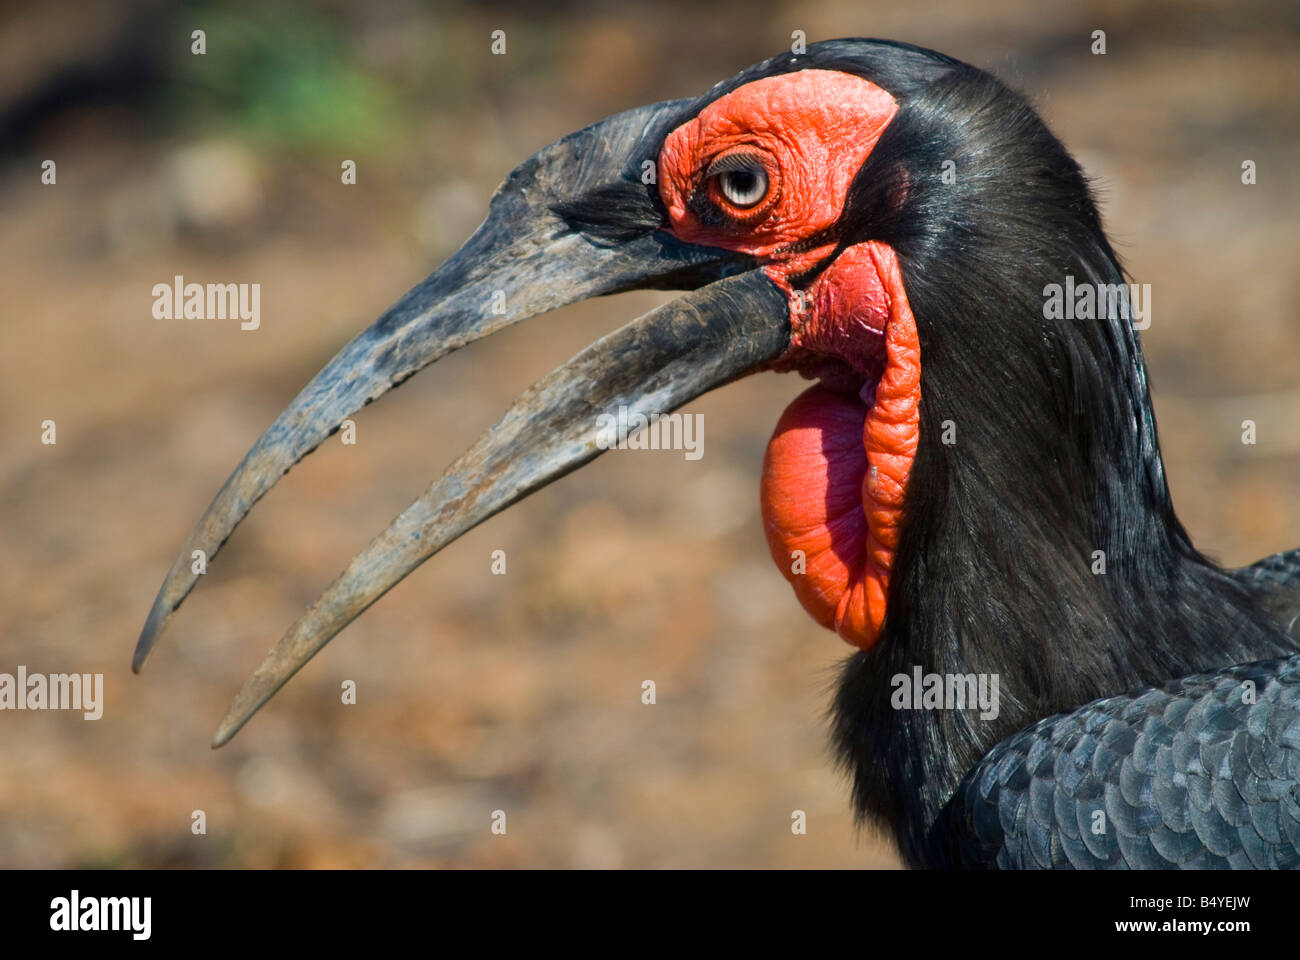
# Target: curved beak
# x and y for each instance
(572, 222)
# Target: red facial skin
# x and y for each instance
(836, 468)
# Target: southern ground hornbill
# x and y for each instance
(888, 221)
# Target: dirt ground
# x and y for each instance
(519, 692)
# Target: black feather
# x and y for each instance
(1057, 456)
(1245, 821)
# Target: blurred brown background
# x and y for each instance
(519, 692)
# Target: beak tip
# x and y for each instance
(148, 637)
(250, 699)
(142, 648)
(228, 727)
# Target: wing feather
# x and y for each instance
(1201, 773)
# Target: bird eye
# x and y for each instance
(740, 179)
(744, 188)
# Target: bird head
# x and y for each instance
(874, 216)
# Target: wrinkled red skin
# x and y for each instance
(844, 509)
(837, 466)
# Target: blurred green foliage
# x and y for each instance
(285, 75)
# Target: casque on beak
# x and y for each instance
(572, 222)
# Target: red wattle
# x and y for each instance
(812, 503)
(836, 469)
